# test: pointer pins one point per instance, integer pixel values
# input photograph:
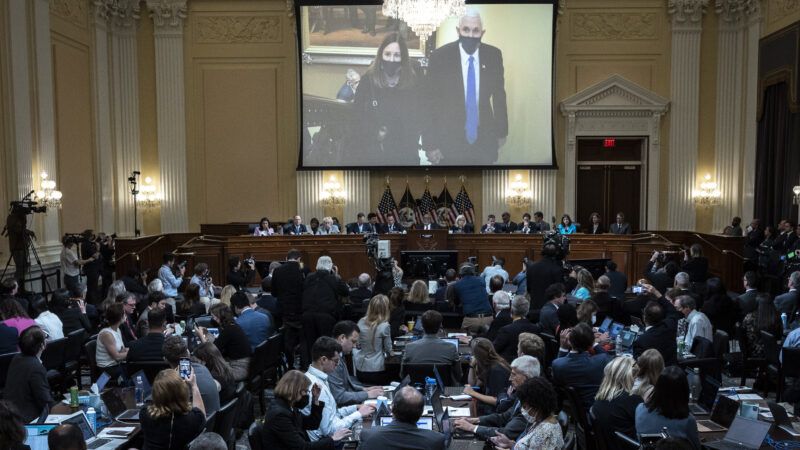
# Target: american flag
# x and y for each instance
(387, 206)
(446, 207)
(425, 205)
(464, 205)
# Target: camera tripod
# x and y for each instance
(29, 248)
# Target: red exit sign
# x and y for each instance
(609, 143)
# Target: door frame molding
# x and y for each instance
(616, 107)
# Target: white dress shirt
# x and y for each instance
(333, 418)
(699, 325)
(476, 65)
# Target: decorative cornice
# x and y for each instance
(73, 11)
(167, 13)
(737, 11)
(683, 11)
(562, 6)
(613, 26)
(237, 29)
(121, 13)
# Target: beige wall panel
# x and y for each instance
(148, 120)
(779, 14)
(588, 73)
(73, 114)
(239, 136)
(706, 158)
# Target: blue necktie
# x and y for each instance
(472, 104)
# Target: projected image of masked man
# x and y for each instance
(387, 123)
(466, 91)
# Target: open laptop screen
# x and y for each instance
(79, 420)
(747, 432)
(36, 435)
(424, 423)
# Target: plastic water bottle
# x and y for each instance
(618, 346)
(139, 392)
(694, 383)
(91, 416)
(430, 386)
(784, 320)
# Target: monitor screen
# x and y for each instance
(36, 435)
(424, 423)
(452, 341)
(476, 92)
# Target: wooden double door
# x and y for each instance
(610, 186)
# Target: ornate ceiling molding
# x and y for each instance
(73, 11)
(122, 13)
(737, 11)
(683, 11)
(167, 13)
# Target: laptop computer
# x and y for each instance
(628, 337)
(605, 325)
(452, 341)
(447, 391)
(92, 441)
(709, 388)
(424, 423)
(782, 419)
(722, 415)
(36, 435)
(742, 434)
(117, 407)
(615, 329)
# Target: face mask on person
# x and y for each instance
(528, 416)
(390, 68)
(469, 44)
(303, 402)
(594, 319)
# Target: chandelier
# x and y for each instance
(148, 198)
(423, 16)
(47, 194)
(796, 198)
(708, 195)
(520, 195)
(332, 193)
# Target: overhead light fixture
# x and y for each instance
(796, 198)
(708, 195)
(423, 16)
(519, 194)
(48, 195)
(332, 193)
(148, 197)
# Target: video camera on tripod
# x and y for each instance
(557, 240)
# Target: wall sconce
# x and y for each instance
(708, 195)
(519, 195)
(796, 198)
(148, 198)
(47, 194)
(332, 193)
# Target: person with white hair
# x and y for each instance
(508, 336)
(208, 441)
(787, 303)
(468, 119)
(501, 302)
(363, 292)
(510, 422)
(322, 291)
(347, 92)
(327, 226)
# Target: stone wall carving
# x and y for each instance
(167, 13)
(237, 29)
(733, 11)
(614, 26)
(687, 10)
(73, 11)
(779, 9)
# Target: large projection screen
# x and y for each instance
(447, 103)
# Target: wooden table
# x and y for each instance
(134, 440)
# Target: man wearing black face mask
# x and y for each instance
(466, 90)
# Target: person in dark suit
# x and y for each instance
(502, 316)
(285, 426)
(321, 305)
(787, 303)
(135, 281)
(542, 274)
(8, 339)
(695, 264)
(540, 223)
(363, 292)
(26, 383)
(427, 223)
(620, 226)
(508, 336)
(403, 434)
(287, 287)
(663, 278)
(432, 350)
(507, 225)
(659, 334)
(490, 226)
(747, 302)
(577, 368)
(468, 119)
(526, 226)
(391, 225)
(619, 282)
(296, 227)
(595, 225)
(360, 226)
(461, 226)
(548, 316)
(148, 347)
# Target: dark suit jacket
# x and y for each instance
(287, 287)
(396, 228)
(496, 229)
(400, 436)
(360, 295)
(27, 387)
(8, 339)
(541, 274)
(616, 228)
(582, 371)
(500, 320)
(747, 303)
(366, 227)
(660, 337)
(285, 428)
(542, 226)
(507, 338)
(468, 229)
(508, 228)
(659, 279)
(787, 303)
(548, 319)
(432, 350)
(510, 422)
(619, 283)
(147, 348)
(589, 229)
(447, 111)
(321, 292)
(434, 226)
(300, 229)
(697, 268)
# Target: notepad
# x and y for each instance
(458, 412)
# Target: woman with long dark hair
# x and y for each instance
(668, 408)
(719, 307)
(489, 371)
(387, 123)
(397, 314)
(764, 318)
(232, 341)
(566, 226)
(191, 306)
(14, 316)
(209, 355)
(12, 428)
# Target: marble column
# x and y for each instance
(168, 17)
(21, 98)
(125, 100)
(687, 16)
(103, 145)
(752, 34)
(729, 138)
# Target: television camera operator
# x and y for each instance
(385, 268)
(548, 270)
(241, 273)
(19, 236)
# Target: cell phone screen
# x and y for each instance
(185, 368)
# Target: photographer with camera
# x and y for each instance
(90, 246)
(241, 273)
(170, 281)
(202, 278)
(71, 264)
(107, 249)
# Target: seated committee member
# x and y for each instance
(540, 224)
(174, 350)
(172, 421)
(432, 350)
(403, 434)
(327, 227)
(392, 226)
(614, 407)
(26, 382)
(575, 367)
(507, 225)
(538, 401)
(595, 225)
(427, 223)
(490, 226)
(461, 226)
(386, 119)
(510, 422)
(360, 226)
(285, 427)
(668, 408)
(346, 391)
(263, 228)
(620, 226)
(566, 226)
(296, 227)
(526, 226)
(325, 356)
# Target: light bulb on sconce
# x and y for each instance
(47, 193)
(796, 198)
(332, 193)
(708, 195)
(519, 195)
(148, 197)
